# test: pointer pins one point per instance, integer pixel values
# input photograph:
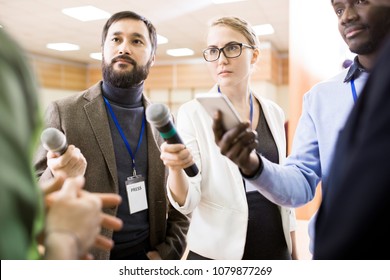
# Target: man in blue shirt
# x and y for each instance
(351, 221)
(325, 110)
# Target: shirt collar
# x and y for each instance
(354, 71)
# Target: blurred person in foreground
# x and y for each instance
(107, 126)
(72, 221)
(351, 222)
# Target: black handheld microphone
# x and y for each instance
(54, 140)
(158, 115)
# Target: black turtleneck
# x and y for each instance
(128, 109)
(128, 97)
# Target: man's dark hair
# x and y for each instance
(131, 15)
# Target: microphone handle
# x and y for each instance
(192, 170)
(62, 151)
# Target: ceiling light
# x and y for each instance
(263, 29)
(226, 1)
(86, 13)
(96, 55)
(161, 40)
(180, 52)
(63, 47)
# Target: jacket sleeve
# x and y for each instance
(52, 119)
(175, 242)
(293, 184)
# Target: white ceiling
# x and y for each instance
(34, 23)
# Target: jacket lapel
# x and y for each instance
(156, 174)
(97, 116)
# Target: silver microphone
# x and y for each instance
(54, 140)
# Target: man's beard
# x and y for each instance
(363, 49)
(125, 79)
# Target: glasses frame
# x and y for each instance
(223, 50)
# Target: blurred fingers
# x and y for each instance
(111, 222)
(53, 185)
(103, 243)
(109, 199)
(61, 188)
(87, 256)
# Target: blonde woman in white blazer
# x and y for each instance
(230, 219)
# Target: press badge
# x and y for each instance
(136, 193)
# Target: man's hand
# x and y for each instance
(71, 164)
(238, 144)
(52, 192)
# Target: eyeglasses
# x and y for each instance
(229, 51)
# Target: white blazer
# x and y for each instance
(216, 196)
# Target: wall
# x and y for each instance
(316, 53)
(172, 84)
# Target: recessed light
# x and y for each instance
(96, 55)
(63, 47)
(161, 40)
(226, 1)
(180, 52)
(263, 29)
(86, 13)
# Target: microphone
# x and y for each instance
(54, 140)
(158, 115)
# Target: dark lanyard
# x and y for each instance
(124, 137)
(353, 89)
(250, 105)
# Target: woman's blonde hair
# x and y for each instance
(239, 25)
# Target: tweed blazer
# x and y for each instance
(84, 121)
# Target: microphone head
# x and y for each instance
(53, 139)
(157, 114)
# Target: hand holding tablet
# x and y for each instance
(216, 101)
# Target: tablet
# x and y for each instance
(216, 101)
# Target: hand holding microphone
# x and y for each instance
(158, 115)
(62, 159)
